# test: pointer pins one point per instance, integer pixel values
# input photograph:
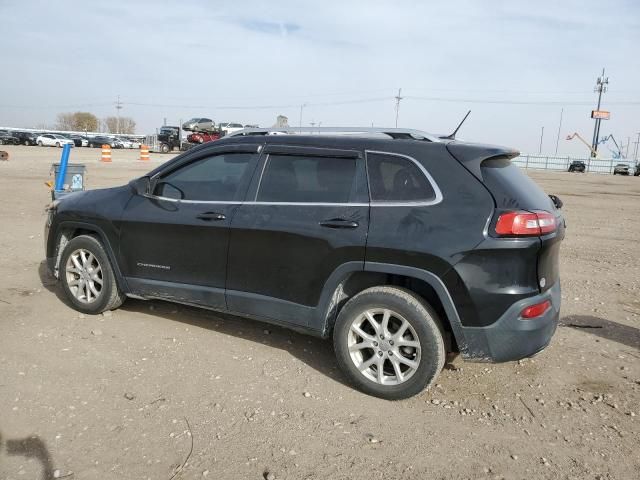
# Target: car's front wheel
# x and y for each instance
(87, 276)
(389, 342)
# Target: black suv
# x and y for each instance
(27, 138)
(577, 166)
(399, 245)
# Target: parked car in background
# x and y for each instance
(360, 238)
(199, 124)
(577, 166)
(621, 169)
(76, 139)
(53, 140)
(26, 138)
(204, 137)
(79, 140)
(116, 142)
(8, 138)
(98, 141)
(636, 170)
(228, 128)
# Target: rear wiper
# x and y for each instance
(556, 201)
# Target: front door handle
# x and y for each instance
(209, 216)
(339, 223)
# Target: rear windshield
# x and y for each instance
(512, 188)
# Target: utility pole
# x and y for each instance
(300, 123)
(635, 151)
(559, 128)
(118, 108)
(541, 137)
(398, 98)
(600, 88)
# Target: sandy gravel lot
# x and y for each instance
(131, 395)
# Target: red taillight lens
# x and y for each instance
(525, 223)
(536, 310)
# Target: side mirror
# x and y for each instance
(168, 190)
(556, 201)
(140, 186)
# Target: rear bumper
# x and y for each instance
(512, 337)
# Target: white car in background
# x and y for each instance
(53, 140)
(228, 128)
(126, 143)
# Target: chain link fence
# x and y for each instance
(549, 162)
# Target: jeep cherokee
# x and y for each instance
(399, 245)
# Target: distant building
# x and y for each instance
(281, 122)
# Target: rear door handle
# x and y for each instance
(339, 223)
(209, 216)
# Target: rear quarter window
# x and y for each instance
(512, 188)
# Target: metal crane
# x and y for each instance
(594, 152)
(615, 153)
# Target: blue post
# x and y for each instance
(64, 160)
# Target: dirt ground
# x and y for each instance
(133, 394)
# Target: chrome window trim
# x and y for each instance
(418, 203)
(206, 202)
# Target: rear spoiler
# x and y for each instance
(471, 155)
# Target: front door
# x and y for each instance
(309, 216)
(174, 241)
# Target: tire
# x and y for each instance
(57, 144)
(424, 328)
(39, 143)
(27, 143)
(164, 148)
(109, 296)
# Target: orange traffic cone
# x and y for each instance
(106, 153)
(144, 153)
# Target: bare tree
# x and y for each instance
(64, 121)
(77, 121)
(119, 125)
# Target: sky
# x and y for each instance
(515, 64)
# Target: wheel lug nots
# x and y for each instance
(381, 337)
(379, 353)
(390, 342)
(375, 344)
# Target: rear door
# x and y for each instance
(174, 240)
(308, 214)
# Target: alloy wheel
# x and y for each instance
(384, 346)
(84, 276)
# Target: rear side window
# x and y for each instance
(214, 178)
(397, 179)
(511, 188)
(301, 179)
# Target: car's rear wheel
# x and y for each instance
(40, 143)
(58, 144)
(87, 276)
(389, 342)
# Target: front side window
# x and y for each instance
(302, 179)
(397, 179)
(214, 178)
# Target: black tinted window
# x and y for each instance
(397, 179)
(215, 178)
(307, 179)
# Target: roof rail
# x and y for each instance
(396, 133)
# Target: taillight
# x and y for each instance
(536, 310)
(522, 223)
